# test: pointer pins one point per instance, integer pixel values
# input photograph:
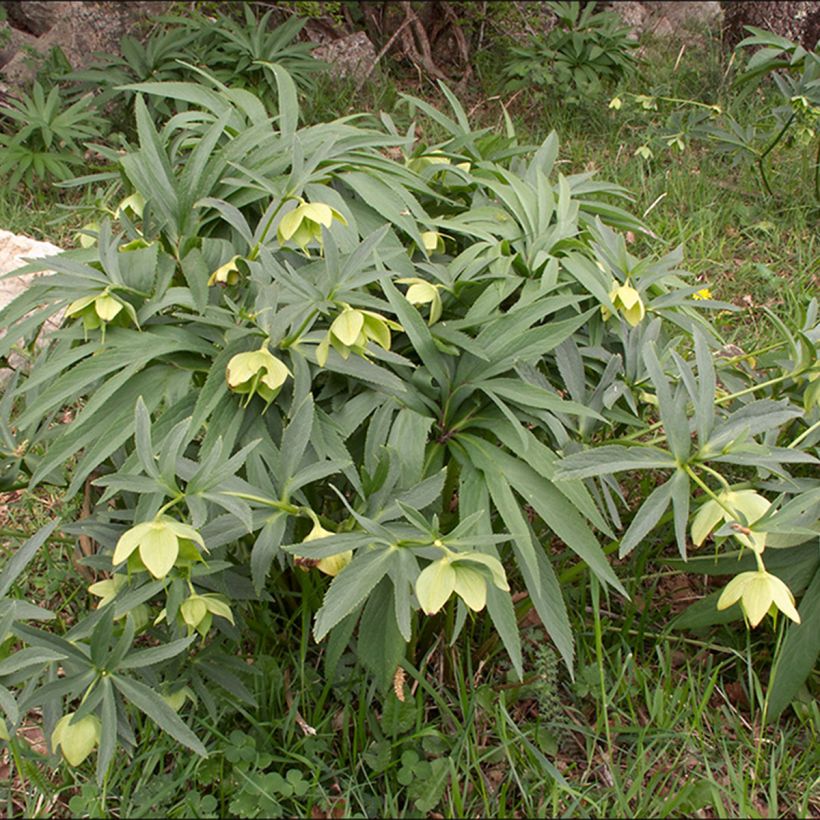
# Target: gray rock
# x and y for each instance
(79, 29)
(13, 40)
(15, 250)
(350, 56)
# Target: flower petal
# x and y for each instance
(435, 585)
(289, 224)
(159, 549)
(705, 521)
(734, 590)
(76, 740)
(243, 367)
(334, 564)
(757, 597)
(783, 598)
(107, 307)
(276, 373)
(182, 530)
(471, 587)
(193, 610)
(129, 541)
(347, 326)
(421, 293)
(318, 212)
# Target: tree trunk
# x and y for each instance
(797, 20)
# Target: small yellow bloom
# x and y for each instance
(198, 610)
(454, 573)
(135, 202)
(257, 371)
(615, 103)
(227, 274)
(759, 592)
(158, 544)
(433, 241)
(75, 740)
(418, 164)
(95, 310)
(304, 223)
(730, 507)
(352, 329)
(422, 292)
(107, 590)
(628, 303)
(84, 239)
(703, 293)
(332, 564)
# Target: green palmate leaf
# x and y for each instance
(550, 504)
(14, 566)
(148, 701)
(673, 412)
(351, 586)
(647, 517)
(419, 334)
(108, 729)
(705, 404)
(380, 646)
(613, 458)
(541, 583)
(798, 653)
(474, 503)
(265, 548)
(681, 495)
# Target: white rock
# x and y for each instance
(15, 250)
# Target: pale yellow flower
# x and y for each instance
(76, 740)
(627, 301)
(157, 542)
(729, 507)
(257, 371)
(332, 564)
(759, 592)
(304, 223)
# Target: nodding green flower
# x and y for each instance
(176, 700)
(332, 564)
(466, 575)
(432, 241)
(422, 292)
(627, 301)
(741, 506)
(95, 310)
(418, 164)
(76, 740)
(759, 592)
(107, 590)
(304, 223)
(134, 245)
(84, 239)
(352, 329)
(257, 371)
(198, 611)
(159, 543)
(616, 103)
(135, 203)
(227, 274)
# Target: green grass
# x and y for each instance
(654, 723)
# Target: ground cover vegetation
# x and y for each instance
(406, 452)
